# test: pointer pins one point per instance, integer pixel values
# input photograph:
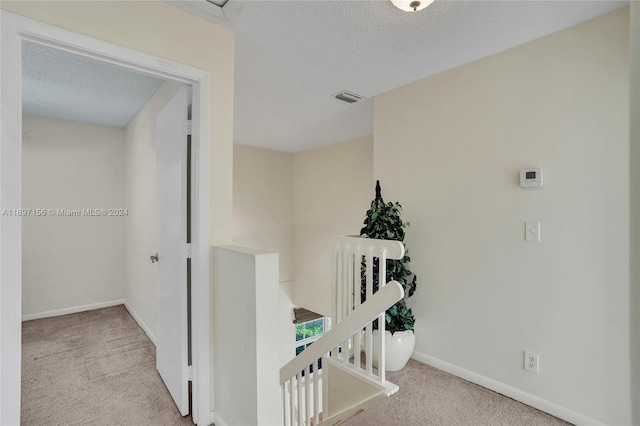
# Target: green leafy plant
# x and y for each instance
(309, 329)
(399, 317)
(383, 221)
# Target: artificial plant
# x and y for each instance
(383, 222)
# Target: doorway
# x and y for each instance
(17, 30)
(96, 210)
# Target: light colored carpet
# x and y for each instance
(429, 396)
(98, 368)
(92, 368)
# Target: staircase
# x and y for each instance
(343, 372)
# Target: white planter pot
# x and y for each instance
(398, 348)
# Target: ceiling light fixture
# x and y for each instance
(411, 5)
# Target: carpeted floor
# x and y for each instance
(92, 368)
(98, 368)
(429, 396)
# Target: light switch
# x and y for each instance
(532, 231)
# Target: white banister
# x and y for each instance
(365, 313)
(299, 406)
(353, 260)
(351, 334)
(390, 249)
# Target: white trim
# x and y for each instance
(217, 420)
(506, 390)
(88, 47)
(201, 333)
(90, 307)
(73, 310)
(141, 323)
(15, 29)
(307, 340)
(10, 228)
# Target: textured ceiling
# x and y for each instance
(292, 55)
(62, 85)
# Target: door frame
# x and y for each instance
(14, 30)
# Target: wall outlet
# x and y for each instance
(531, 362)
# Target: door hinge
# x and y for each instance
(189, 127)
(189, 377)
(188, 250)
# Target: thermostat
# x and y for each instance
(530, 178)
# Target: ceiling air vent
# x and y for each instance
(348, 97)
(219, 3)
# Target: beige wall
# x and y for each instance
(319, 194)
(159, 29)
(162, 30)
(141, 276)
(71, 262)
(332, 190)
(449, 148)
(263, 203)
(263, 219)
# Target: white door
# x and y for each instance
(171, 207)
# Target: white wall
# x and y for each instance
(246, 365)
(449, 149)
(73, 165)
(71, 262)
(263, 219)
(634, 299)
(141, 276)
(332, 189)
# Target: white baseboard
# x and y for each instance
(90, 307)
(73, 310)
(141, 323)
(513, 393)
(217, 420)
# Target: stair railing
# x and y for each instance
(299, 382)
(353, 262)
(304, 387)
